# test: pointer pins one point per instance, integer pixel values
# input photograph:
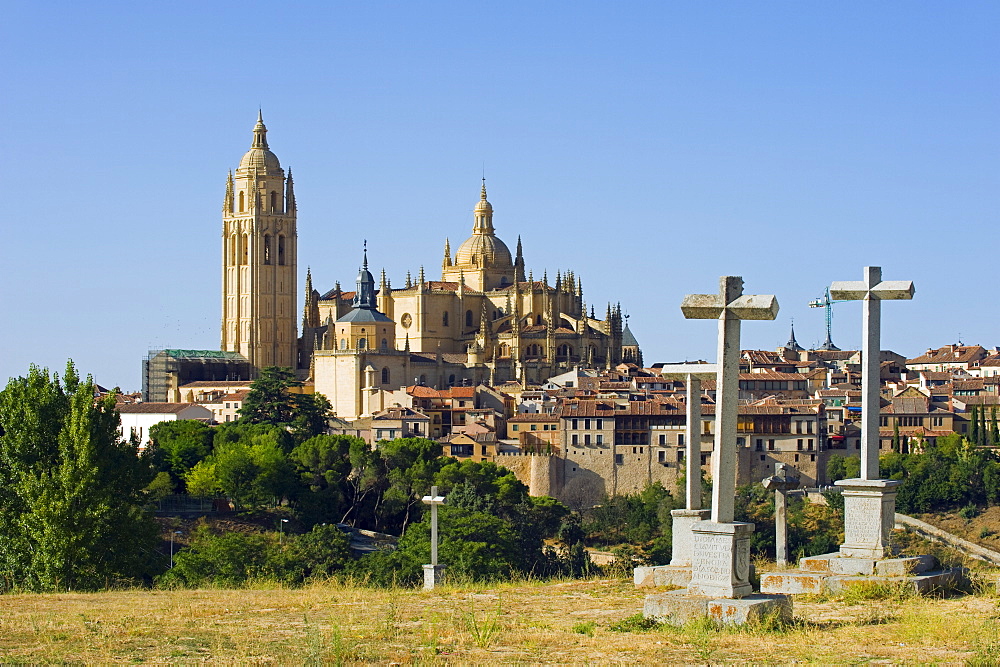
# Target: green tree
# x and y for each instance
(201, 480)
(322, 464)
(179, 445)
(72, 510)
(268, 401)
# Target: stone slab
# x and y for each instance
(792, 582)
(679, 607)
(920, 583)
(903, 567)
(654, 576)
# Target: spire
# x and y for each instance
(409, 280)
(382, 284)
(420, 279)
(310, 309)
(484, 323)
(793, 344)
(364, 298)
(482, 196)
(259, 133)
(519, 263)
(447, 254)
(227, 203)
(545, 276)
(290, 206)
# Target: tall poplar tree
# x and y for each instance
(72, 511)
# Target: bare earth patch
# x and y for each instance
(553, 623)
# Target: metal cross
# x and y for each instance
(434, 500)
(730, 306)
(872, 291)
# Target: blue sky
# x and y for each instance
(650, 147)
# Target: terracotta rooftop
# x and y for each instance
(150, 408)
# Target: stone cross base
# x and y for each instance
(682, 539)
(720, 566)
(679, 607)
(833, 573)
(655, 576)
(869, 516)
(433, 575)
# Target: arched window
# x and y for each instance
(274, 201)
(539, 320)
(494, 314)
(385, 376)
(451, 379)
(242, 201)
(385, 344)
(504, 350)
(468, 318)
(362, 343)
(281, 250)
(246, 249)
(423, 380)
(267, 248)
(343, 343)
(444, 319)
(234, 249)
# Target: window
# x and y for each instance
(362, 343)
(799, 443)
(343, 343)
(444, 319)
(274, 201)
(760, 445)
(534, 427)
(796, 458)
(245, 247)
(574, 439)
(451, 380)
(600, 423)
(809, 444)
(798, 426)
(513, 427)
(662, 440)
(680, 439)
(763, 458)
(600, 439)
(619, 459)
(267, 248)
(770, 445)
(468, 318)
(575, 425)
(281, 250)
(242, 201)
(385, 376)
(586, 423)
(661, 456)
(809, 427)
(586, 439)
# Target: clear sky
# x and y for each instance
(649, 147)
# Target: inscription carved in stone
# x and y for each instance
(862, 520)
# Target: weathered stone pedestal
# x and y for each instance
(869, 516)
(678, 573)
(834, 573)
(679, 607)
(433, 575)
(720, 564)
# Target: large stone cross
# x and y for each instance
(730, 306)
(682, 540)
(872, 291)
(869, 502)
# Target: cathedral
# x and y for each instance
(484, 321)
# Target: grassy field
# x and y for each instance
(564, 622)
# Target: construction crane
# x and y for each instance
(826, 302)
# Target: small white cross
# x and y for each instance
(434, 500)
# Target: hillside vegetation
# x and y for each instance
(587, 621)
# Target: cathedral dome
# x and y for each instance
(261, 159)
(484, 250)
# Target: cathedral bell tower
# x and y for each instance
(259, 250)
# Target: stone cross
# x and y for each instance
(684, 520)
(433, 569)
(872, 291)
(780, 482)
(869, 502)
(730, 306)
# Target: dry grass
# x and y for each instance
(566, 623)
